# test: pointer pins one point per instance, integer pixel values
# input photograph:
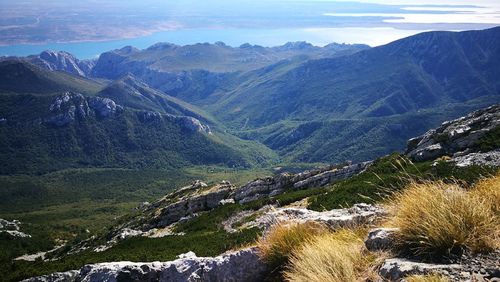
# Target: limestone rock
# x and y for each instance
(491, 158)
(189, 123)
(68, 276)
(194, 201)
(356, 215)
(381, 239)
(272, 186)
(454, 136)
(70, 106)
(12, 228)
(395, 269)
(62, 61)
(242, 265)
(103, 107)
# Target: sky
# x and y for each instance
(57, 23)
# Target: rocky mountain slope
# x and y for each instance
(381, 96)
(62, 61)
(196, 207)
(330, 104)
(53, 120)
(18, 76)
(214, 58)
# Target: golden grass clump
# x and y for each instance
(277, 245)
(436, 219)
(427, 278)
(489, 190)
(338, 256)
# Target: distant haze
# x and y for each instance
(28, 27)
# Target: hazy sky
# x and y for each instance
(263, 22)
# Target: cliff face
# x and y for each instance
(62, 61)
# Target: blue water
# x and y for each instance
(232, 37)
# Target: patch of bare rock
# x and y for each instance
(467, 267)
(459, 139)
(242, 265)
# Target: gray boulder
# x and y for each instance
(381, 239)
(395, 269)
(491, 158)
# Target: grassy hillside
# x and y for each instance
(129, 137)
(22, 77)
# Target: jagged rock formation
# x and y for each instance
(70, 106)
(272, 186)
(457, 137)
(62, 61)
(190, 203)
(242, 265)
(12, 228)
(349, 217)
(198, 197)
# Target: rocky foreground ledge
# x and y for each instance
(241, 265)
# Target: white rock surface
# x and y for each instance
(395, 269)
(356, 215)
(243, 265)
(381, 239)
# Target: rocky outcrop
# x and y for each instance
(62, 61)
(349, 217)
(272, 186)
(12, 228)
(189, 123)
(103, 107)
(491, 158)
(70, 106)
(458, 136)
(194, 200)
(242, 265)
(68, 276)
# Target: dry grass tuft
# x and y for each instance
(437, 219)
(338, 256)
(489, 190)
(427, 278)
(277, 245)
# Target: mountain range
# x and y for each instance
(295, 103)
